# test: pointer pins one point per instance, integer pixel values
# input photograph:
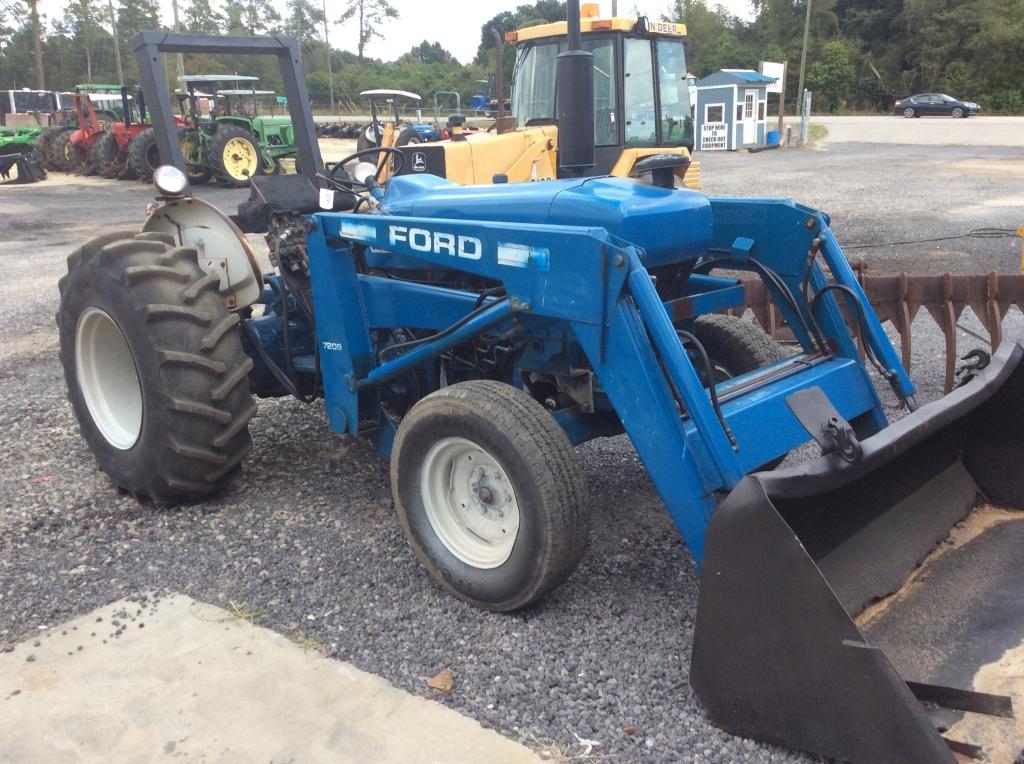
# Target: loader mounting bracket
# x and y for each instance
(818, 416)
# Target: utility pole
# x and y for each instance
(803, 55)
(782, 100)
(117, 44)
(327, 43)
(177, 28)
(37, 45)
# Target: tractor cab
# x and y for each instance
(244, 102)
(642, 109)
(203, 90)
(641, 94)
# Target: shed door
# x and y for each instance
(746, 132)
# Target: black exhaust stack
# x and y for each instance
(574, 83)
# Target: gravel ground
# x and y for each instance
(306, 535)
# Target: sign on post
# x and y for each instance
(714, 136)
(774, 69)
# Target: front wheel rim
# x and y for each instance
(108, 379)
(908, 113)
(470, 502)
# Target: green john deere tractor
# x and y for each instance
(237, 140)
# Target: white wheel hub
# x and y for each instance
(469, 502)
(108, 378)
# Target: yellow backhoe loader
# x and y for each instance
(641, 113)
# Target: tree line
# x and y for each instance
(862, 54)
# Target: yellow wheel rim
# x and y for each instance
(190, 150)
(240, 159)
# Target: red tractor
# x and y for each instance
(72, 150)
(127, 149)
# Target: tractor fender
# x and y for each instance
(222, 248)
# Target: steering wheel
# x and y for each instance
(350, 184)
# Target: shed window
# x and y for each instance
(714, 112)
(760, 111)
(739, 112)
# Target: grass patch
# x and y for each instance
(308, 643)
(246, 611)
(816, 133)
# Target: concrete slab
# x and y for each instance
(926, 131)
(171, 677)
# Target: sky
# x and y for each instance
(455, 25)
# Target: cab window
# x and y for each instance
(603, 49)
(674, 92)
(534, 94)
(638, 89)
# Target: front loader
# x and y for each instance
(18, 152)
(477, 333)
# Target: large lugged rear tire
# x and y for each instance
(65, 153)
(44, 144)
(490, 494)
(106, 156)
(234, 156)
(154, 366)
(143, 155)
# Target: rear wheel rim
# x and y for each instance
(240, 160)
(108, 378)
(469, 502)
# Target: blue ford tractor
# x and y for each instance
(477, 334)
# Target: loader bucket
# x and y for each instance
(846, 609)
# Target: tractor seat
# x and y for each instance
(275, 194)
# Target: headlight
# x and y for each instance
(169, 180)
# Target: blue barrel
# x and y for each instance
(773, 137)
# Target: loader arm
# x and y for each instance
(615, 314)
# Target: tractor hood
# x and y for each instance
(668, 224)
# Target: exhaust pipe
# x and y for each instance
(839, 615)
(574, 85)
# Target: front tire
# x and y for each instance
(957, 113)
(909, 113)
(154, 366)
(735, 346)
(490, 494)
